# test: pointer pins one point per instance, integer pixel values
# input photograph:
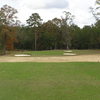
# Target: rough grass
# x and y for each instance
(49, 81)
(87, 52)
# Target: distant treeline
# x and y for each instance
(37, 35)
(49, 37)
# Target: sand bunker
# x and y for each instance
(22, 55)
(69, 54)
(77, 58)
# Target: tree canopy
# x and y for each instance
(57, 33)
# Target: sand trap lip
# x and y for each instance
(68, 51)
(22, 55)
(69, 54)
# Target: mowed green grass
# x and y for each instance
(54, 52)
(49, 81)
(39, 53)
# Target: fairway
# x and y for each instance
(49, 53)
(50, 81)
(49, 50)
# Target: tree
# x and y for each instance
(8, 19)
(25, 37)
(67, 21)
(35, 21)
(57, 22)
(49, 35)
(96, 11)
(97, 24)
(57, 31)
(98, 8)
(7, 16)
(98, 3)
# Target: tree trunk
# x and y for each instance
(55, 46)
(35, 41)
(67, 47)
(4, 44)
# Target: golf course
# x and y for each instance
(49, 49)
(49, 80)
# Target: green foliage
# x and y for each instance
(34, 20)
(25, 37)
(58, 33)
(8, 21)
(65, 27)
(52, 36)
(7, 15)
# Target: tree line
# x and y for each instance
(58, 33)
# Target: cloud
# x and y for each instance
(57, 4)
(33, 4)
(44, 4)
(80, 8)
(12, 3)
(49, 9)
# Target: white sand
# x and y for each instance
(22, 55)
(69, 54)
(77, 58)
(68, 51)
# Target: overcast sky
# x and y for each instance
(49, 9)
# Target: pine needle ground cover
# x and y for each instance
(50, 81)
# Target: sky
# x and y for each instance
(49, 9)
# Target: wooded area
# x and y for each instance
(54, 34)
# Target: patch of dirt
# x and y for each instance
(80, 58)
